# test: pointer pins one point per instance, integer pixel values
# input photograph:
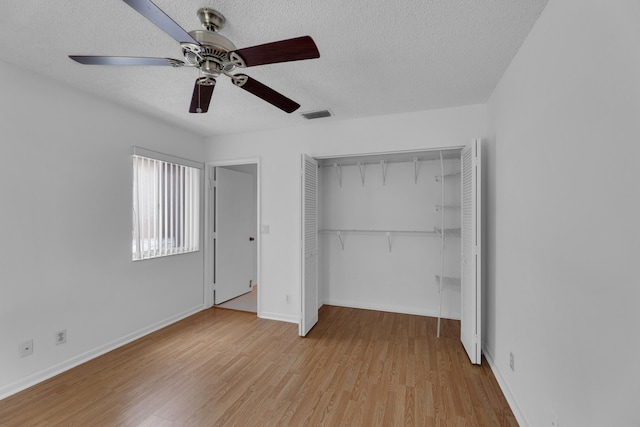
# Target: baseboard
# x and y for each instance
(59, 368)
(289, 318)
(511, 400)
(393, 309)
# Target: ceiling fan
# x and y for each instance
(214, 55)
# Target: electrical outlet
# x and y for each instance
(26, 348)
(511, 362)
(61, 337)
(287, 299)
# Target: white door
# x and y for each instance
(309, 246)
(471, 314)
(234, 230)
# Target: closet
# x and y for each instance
(389, 232)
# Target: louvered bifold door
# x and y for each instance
(309, 245)
(470, 318)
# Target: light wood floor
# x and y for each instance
(224, 367)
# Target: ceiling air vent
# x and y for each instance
(316, 114)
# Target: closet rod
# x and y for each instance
(448, 232)
(388, 234)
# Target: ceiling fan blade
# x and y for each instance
(294, 49)
(125, 60)
(261, 91)
(201, 97)
(154, 14)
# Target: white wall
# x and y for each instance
(280, 152)
(365, 273)
(563, 291)
(66, 229)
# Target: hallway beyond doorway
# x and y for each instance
(245, 302)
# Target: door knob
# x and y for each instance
(251, 239)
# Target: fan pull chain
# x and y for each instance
(199, 109)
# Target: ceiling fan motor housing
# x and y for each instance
(213, 48)
(212, 53)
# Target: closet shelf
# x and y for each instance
(447, 175)
(439, 207)
(448, 232)
(415, 157)
(454, 281)
(403, 157)
(358, 231)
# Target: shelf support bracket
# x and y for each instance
(338, 168)
(416, 170)
(383, 164)
(339, 234)
(361, 166)
(388, 233)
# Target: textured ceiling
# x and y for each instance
(376, 56)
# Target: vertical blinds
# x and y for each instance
(166, 208)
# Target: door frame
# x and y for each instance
(209, 214)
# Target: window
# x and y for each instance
(166, 205)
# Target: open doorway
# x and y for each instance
(232, 250)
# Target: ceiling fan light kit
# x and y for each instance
(214, 55)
